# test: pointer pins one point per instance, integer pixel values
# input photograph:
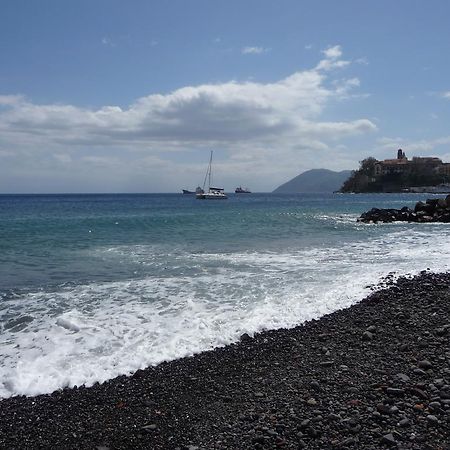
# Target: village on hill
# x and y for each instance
(418, 174)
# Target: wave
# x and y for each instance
(192, 302)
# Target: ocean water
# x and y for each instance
(94, 286)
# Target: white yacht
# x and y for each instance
(212, 193)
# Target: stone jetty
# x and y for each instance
(432, 210)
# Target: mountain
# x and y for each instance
(315, 180)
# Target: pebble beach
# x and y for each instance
(375, 375)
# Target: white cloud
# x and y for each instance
(277, 126)
(331, 60)
(446, 94)
(254, 50)
(333, 52)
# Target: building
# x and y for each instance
(417, 165)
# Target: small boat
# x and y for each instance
(185, 191)
(241, 190)
(212, 193)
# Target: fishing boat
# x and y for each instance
(212, 193)
(241, 190)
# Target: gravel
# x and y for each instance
(327, 384)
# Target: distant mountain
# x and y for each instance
(315, 180)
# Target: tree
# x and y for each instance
(367, 166)
(359, 179)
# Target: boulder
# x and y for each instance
(433, 210)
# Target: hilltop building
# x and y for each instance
(419, 174)
(417, 165)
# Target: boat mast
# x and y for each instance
(208, 173)
(210, 162)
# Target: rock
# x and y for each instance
(432, 420)
(433, 210)
(388, 439)
(419, 393)
(404, 423)
(326, 363)
(245, 337)
(383, 409)
(425, 365)
(367, 336)
(435, 406)
(403, 377)
(395, 392)
(305, 423)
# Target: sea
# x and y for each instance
(96, 286)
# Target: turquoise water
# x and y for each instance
(92, 286)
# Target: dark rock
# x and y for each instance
(425, 365)
(432, 420)
(405, 423)
(395, 392)
(419, 393)
(367, 336)
(383, 409)
(432, 210)
(388, 439)
(403, 377)
(435, 406)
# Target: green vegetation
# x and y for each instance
(359, 180)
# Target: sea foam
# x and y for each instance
(74, 335)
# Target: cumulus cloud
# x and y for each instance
(273, 124)
(254, 50)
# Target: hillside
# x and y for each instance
(315, 180)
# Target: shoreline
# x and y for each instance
(374, 375)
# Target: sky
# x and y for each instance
(131, 96)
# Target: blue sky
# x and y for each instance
(115, 96)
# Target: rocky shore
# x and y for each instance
(376, 375)
(432, 210)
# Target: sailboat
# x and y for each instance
(212, 193)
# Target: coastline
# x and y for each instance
(375, 375)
